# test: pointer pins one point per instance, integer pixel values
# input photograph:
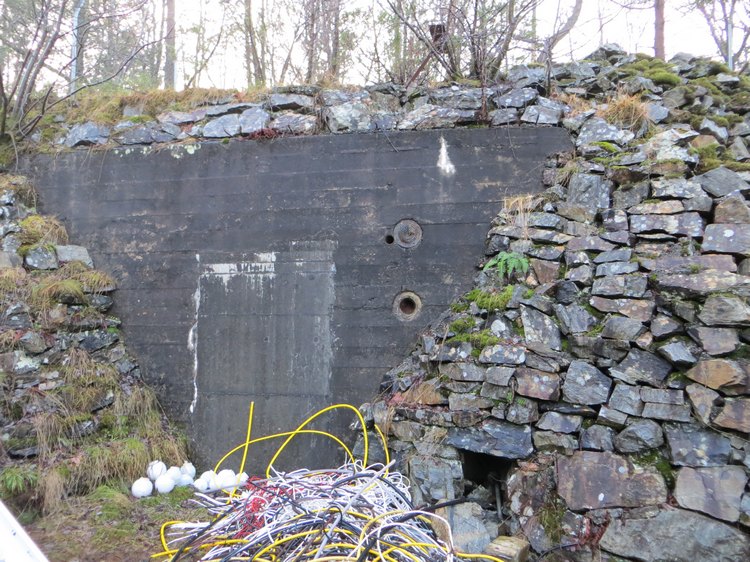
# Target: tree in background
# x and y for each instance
(394, 53)
(468, 38)
(659, 21)
(255, 42)
(36, 54)
(659, 47)
(563, 26)
(729, 24)
(170, 51)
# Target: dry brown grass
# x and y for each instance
(117, 460)
(8, 340)
(626, 112)
(21, 186)
(42, 229)
(14, 284)
(425, 392)
(92, 280)
(516, 210)
(69, 284)
(81, 370)
(50, 429)
(52, 490)
(577, 104)
(139, 403)
(51, 289)
(156, 101)
(566, 173)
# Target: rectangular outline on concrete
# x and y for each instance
(272, 290)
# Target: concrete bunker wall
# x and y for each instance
(271, 270)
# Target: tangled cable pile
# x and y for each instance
(355, 513)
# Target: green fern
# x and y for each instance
(507, 263)
(16, 480)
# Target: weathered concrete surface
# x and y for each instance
(259, 270)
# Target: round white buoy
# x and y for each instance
(155, 469)
(188, 468)
(174, 473)
(164, 484)
(226, 478)
(142, 488)
(184, 480)
(208, 475)
(201, 485)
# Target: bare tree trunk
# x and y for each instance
(561, 33)
(160, 33)
(659, 51)
(76, 55)
(170, 52)
(311, 25)
(334, 61)
(255, 73)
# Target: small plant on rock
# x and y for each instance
(507, 263)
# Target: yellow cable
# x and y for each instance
(172, 552)
(247, 438)
(290, 435)
(244, 452)
(285, 434)
(385, 445)
(161, 533)
(401, 550)
(479, 557)
(313, 417)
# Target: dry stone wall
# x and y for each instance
(74, 412)
(598, 402)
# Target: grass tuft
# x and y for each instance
(51, 289)
(516, 210)
(53, 490)
(14, 284)
(41, 229)
(9, 340)
(21, 186)
(626, 112)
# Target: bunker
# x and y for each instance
(293, 272)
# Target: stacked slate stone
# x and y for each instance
(688, 89)
(599, 401)
(70, 393)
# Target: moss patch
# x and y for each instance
(491, 300)
(663, 77)
(657, 460)
(462, 325)
(478, 340)
(111, 524)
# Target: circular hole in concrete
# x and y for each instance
(389, 239)
(407, 305)
(407, 233)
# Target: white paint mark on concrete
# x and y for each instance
(225, 272)
(193, 339)
(444, 163)
(260, 273)
(177, 151)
